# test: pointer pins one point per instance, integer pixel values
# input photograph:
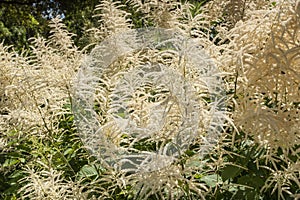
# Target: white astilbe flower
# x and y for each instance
(260, 47)
(139, 119)
(162, 13)
(194, 25)
(112, 19)
(233, 11)
(168, 183)
(36, 87)
(44, 185)
(269, 81)
(49, 184)
(284, 179)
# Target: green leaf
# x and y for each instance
(230, 171)
(18, 174)
(22, 160)
(90, 171)
(10, 162)
(252, 181)
(69, 151)
(212, 180)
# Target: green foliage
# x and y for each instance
(20, 21)
(241, 178)
(63, 151)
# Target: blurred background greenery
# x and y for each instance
(23, 19)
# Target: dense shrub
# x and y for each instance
(255, 45)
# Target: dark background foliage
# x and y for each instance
(23, 19)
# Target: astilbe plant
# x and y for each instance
(150, 108)
(112, 19)
(159, 13)
(46, 184)
(39, 84)
(268, 77)
(271, 89)
(35, 89)
(267, 74)
(262, 52)
(132, 98)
